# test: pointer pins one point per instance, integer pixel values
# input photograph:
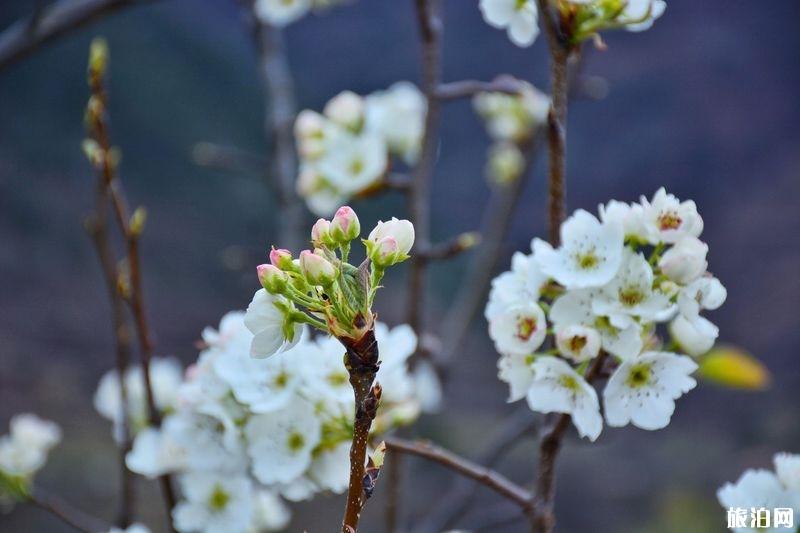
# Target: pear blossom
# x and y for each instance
(346, 109)
(281, 12)
(266, 322)
(685, 261)
(352, 163)
(269, 512)
(281, 442)
(517, 371)
(643, 390)
(331, 468)
(695, 336)
(639, 15)
(24, 450)
(668, 220)
(557, 388)
(264, 385)
(757, 489)
(504, 163)
(390, 242)
(523, 283)
(512, 117)
(518, 17)
(321, 196)
(316, 268)
(345, 225)
(787, 468)
(577, 342)
(704, 293)
(590, 254)
(398, 116)
(519, 329)
(214, 503)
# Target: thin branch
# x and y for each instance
(106, 162)
(457, 498)
(451, 248)
(485, 476)
(469, 88)
(280, 112)
(26, 35)
(68, 514)
(430, 28)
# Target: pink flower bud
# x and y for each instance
(272, 278)
(281, 258)
(384, 252)
(320, 232)
(345, 225)
(389, 242)
(316, 269)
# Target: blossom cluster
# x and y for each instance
(601, 294)
(520, 17)
(510, 120)
(281, 13)
(763, 489)
(346, 150)
(23, 452)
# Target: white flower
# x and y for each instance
(695, 336)
(280, 443)
(321, 196)
(353, 163)
(264, 385)
(266, 322)
(18, 460)
(557, 388)
(315, 134)
(639, 15)
(270, 513)
(504, 163)
(787, 467)
(685, 261)
(590, 253)
(756, 489)
(643, 390)
(520, 17)
(520, 329)
(346, 109)
(575, 307)
(512, 117)
(703, 293)
(517, 371)
(395, 346)
(30, 431)
(398, 115)
(668, 220)
(630, 294)
(401, 230)
(522, 284)
(427, 387)
(214, 504)
(628, 215)
(331, 469)
(577, 342)
(151, 456)
(232, 335)
(133, 528)
(281, 12)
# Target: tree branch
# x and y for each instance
(468, 88)
(65, 512)
(25, 36)
(485, 476)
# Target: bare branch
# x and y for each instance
(485, 476)
(47, 24)
(468, 88)
(451, 248)
(66, 512)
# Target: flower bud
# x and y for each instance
(321, 232)
(271, 278)
(345, 225)
(281, 258)
(346, 109)
(316, 269)
(696, 336)
(389, 242)
(309, 124)
(579, 343)
(685, 261)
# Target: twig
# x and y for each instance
(485, 476)
(456, 499)
(47, 24)
(361, 361)
(430, 28)
(68, 514)
(108, 176)
(451, 248)
(468, 88)
(280, 112)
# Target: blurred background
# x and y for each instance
(705, 103)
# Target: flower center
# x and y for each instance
(569, 382)
(520, 5)
(577, 343)
(356, 166)
(295, 442)
(218, 499)
(281, 380)
(526, 327)
(669, 220)
(630, 296)
(639, 376)
(588, 260)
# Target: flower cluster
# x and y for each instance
(510, 120)
(346, 150)
(600, 294)
(281, 13)
(583, 17)
(23, 452)
(762, 489)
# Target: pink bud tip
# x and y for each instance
(276, 254)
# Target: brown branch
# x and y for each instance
(105, 160)
(483, 475)
(543, 519)
(361, 361)
(451, 248)
(468, 88)
(430, 28)
(47, 24)
(280, 112)
(68, 514)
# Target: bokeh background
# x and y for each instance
(705, 103)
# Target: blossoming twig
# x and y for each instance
(102, 155)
